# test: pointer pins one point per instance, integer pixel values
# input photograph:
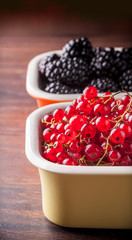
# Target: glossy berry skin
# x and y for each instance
(60, 156)
(90, 92)
(102, 124)
(47, 134)
(70, 135)
(88, 131)
(84, 107)
(77, 122)
(127, 129)
(61, 138)
(69, 161)
(46, 120)
(126, 148)
(70, 111)
(92, 151)
(50, 154)
(114, 156)
(75, 146)
(125, 99)
(102, 109)
(117, 135)
(121, 109)
(58, 146)
(126, 161)
(58, 115)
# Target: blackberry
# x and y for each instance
(59, 88)
(101, 63)
(104, 84)
(45, 61)
(81, 48)
(127, 57)
(125, 81)
(70, 71)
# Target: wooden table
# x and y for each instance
(21, 215)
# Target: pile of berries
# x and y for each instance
(93, 130)
(81, 65)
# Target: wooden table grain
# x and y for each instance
(21, 215)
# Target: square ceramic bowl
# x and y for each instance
(79, 196)
(32, 84)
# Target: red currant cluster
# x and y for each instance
(94, 130)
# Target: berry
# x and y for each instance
(90, 92)
(88, 131)
(84, 107)
(75, 146)
(104, 84)
(60, 88)
(126, 148)
(127, 129)
(130, 120)
(70, 135)
(69, 161)
(114, 156)
(50, 154)
(61, 138)
(117, 135)
(58, 115)
(92, 151)
(81, 47)
(126, 161)
(77, 122)
(47, 134)
(102, 124)
(125, 80)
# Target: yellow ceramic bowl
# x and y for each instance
(80, 196)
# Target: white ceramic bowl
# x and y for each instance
(32, 83)
(79, 196)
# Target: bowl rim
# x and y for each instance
(32, 85)
(33, 154)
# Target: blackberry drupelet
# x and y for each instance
(125, 81)
(104, 84)
(80, 47)
(59, 88)
(45, 61)
(70, 71)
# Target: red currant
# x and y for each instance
(47, 134)
(70, 135)
(102, 124)
(69, 161)
(77, 121)
(92, 151)
(88, 130)
(126, 148)
(114, 156)
(58, 146)
(127, 129)
(130, 121)
(58, 115)
(84, 107)
(50, 154)
(117, 135)
(90, 92)
(126, 161)
(125, 99)
(75, 146)
(61, 138)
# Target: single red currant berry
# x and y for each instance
(102, 124)
(47, 134)
(126, 117)
(77, 155)
(121, 109)
(70, 135)
(98, 109)
(46, 120)
(90, 92)
(125, 99)
(61, 138)
(88, 130)
(70, 111)
(117, 135)
(126, 148)
(60, 127)
(114, 156)
(69, 161)
(84, 107)
(67, 126)
(58, 115)
(75, 146)
(50, 154)
(130, 121)
(92, 151)
(60, 156)
(127, 129)
(77, 122)
(58, 146)
(126, 161)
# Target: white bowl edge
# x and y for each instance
(33, 154)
